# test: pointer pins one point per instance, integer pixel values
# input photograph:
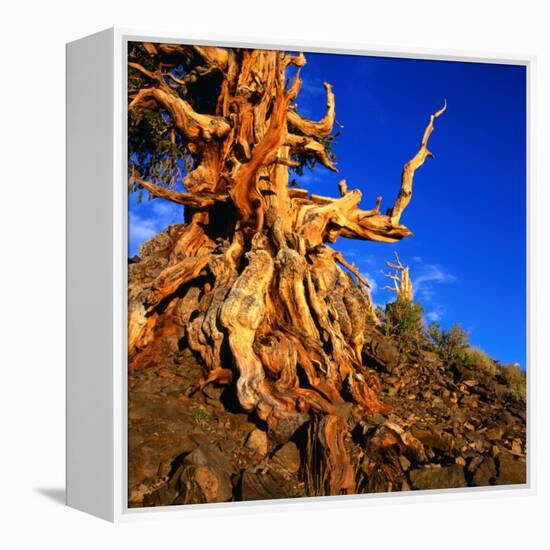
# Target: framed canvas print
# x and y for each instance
(303, 271)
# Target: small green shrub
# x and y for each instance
(450, 344)
(199, 415)
(403, 318)
(515, 380)
(474, 356)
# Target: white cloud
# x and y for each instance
(140, 229)
(427, 294)
(311, 177)
(434, 315)
(373, 285)
(430, 274)
(166, 211)
(152, 218)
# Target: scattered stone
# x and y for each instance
(448, 427)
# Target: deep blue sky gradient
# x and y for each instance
(468, 211)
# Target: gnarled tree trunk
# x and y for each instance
(252, 285)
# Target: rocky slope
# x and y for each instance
(448, 426)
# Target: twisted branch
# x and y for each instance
(198, 201)
(405, 193)
(319, 129)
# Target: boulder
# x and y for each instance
(381, 349)
(201, 484)
(511, 470)
(436, 439)
(266, 485)
(288, 457)
(206, 474)
(214, 485)
(485, 474)
(438, 477)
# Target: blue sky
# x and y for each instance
(468, 212)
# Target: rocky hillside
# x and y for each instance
(447, 425)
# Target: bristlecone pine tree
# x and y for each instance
(252, 286)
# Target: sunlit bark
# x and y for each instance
(252, 285)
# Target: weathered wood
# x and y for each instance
(194, 126)
(251, 286)
(402, 284)
(196, 201)
(319, 129)
(405, 192)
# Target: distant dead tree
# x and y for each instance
(402, 285)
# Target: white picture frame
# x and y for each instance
(97, 279)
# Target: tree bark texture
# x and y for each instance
(252, 285)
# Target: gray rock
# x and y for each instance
(288, 457)
(485, 473)
(267, 485)
(436, 439)
(511, 470)
(438, 478)
(381, 349)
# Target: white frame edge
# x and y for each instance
(120, 510)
